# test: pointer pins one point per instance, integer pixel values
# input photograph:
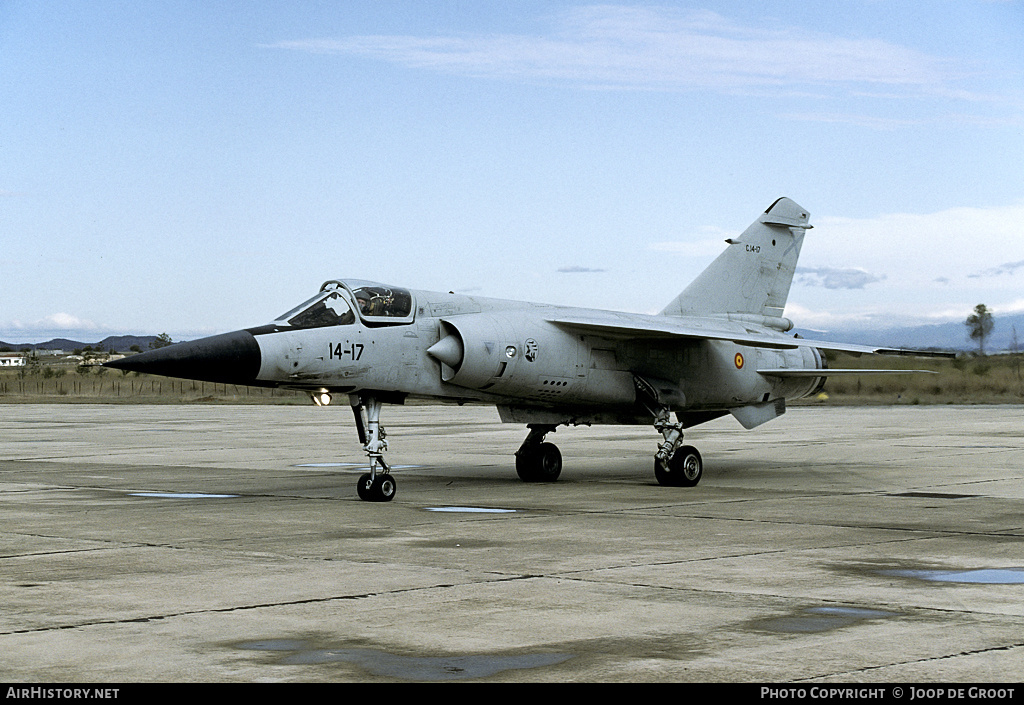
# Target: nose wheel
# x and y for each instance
(376, 489)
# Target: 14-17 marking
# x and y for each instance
(354, 351)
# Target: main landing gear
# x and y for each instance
(675, 465)
(376, 485)
(537, 461)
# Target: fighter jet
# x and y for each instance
(721, 347)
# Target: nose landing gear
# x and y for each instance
(376, 489)
(374, 486)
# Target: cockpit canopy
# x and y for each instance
(376, 304)
(378, 300)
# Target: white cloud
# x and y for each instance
(896, 268)
(657, 48)
(836, 277)
(821, 319)
(873, 122)
(65, 321)
(1007, 268)
(871, 316)
(930, 262)
(1016, 306)
(923, 247)
(707, 241)
(576, 269)
(55, 325)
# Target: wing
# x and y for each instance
(627, 327)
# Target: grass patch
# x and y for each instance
(994, 379)
(99, 385)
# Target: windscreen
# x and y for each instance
(330, 310)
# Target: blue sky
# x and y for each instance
(193, 168)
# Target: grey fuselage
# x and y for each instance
(527, 360)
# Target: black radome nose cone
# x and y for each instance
(229, 358)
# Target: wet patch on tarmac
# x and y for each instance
(987, 576)
(298, 652)
(820, 619)
(933, 573)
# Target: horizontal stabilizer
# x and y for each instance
(828, 372)
(916, 353)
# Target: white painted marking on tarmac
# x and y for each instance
(181, 495)
(471, 510)
(348, 465)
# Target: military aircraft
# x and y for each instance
(721, 347)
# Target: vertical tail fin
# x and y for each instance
(754, 274)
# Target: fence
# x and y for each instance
(132, 388)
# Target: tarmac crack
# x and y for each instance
(934, 532)
(912, 662)
(243, 608)
(66, 552)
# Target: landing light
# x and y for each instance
(320, 398)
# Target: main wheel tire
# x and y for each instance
(526, 462)
(550, 466)
(540, 464)
(685, 469)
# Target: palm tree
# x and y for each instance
(980, 324)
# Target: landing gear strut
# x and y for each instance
(376, 485)
(675, 465)
(537, 461)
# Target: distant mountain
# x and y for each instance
(119, 343)
(943, 336)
